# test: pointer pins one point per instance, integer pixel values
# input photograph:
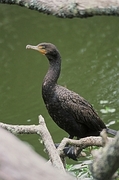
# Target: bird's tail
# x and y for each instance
(111, 131)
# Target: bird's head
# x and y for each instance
(47, 49)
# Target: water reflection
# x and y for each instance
(90, 64)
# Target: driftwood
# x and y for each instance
(18, 161)
(12, 153)
(70, 8)
(40, 129)
(106, 160)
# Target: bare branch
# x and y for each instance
(79, 145)
(42, 130)
(18, 161)
(103, 134)
(82, 143)
(106, 160)
(20, 129)
(48, 142)
(70, 9)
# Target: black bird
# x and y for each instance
(69, 110)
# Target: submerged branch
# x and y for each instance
(70, 9)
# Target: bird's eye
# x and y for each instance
(43, 47)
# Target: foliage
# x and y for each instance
(82, 169)
(108, 110)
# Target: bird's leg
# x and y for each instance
(69, 151)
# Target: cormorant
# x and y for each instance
(70, 111)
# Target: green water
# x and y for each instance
(90, 65)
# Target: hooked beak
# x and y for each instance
(38, 48)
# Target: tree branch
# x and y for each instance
(18, 161)
(48, 142)
(70, 9)
(106, 160)
(81, 144)
(40, 129)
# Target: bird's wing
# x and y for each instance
(82, 111)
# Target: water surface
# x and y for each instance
(90, 65)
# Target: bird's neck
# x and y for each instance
(50, 80)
